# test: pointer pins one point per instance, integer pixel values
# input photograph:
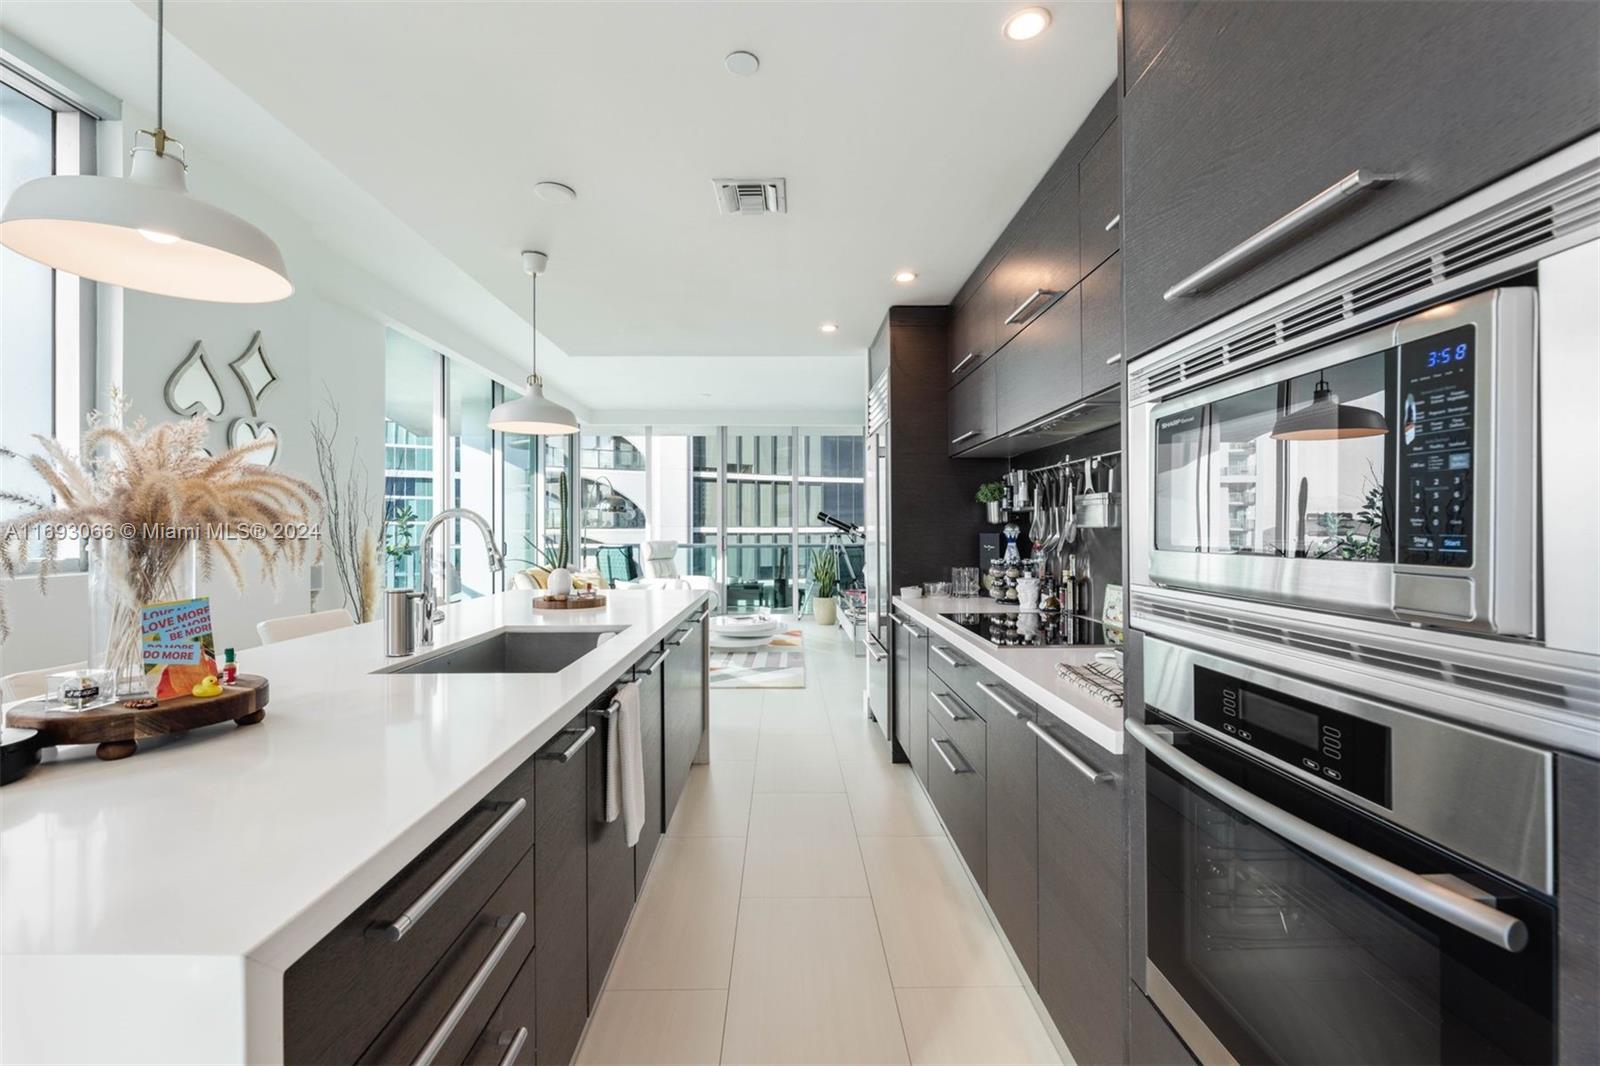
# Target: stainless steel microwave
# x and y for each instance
(1392, 474)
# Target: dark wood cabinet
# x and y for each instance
(1100, 200)
(508, 1039)
(683, 707)
(650, 737)
(1102, 326)
(974, 330)
(1012, 811)
(471, 977)
(972, 409)
(341, 994)
(561, 891)
(1041, 370)
(916, 746)
(1083, 965)
(956, 787)
(1251, 109)
(610, 868)
(1041, 257)
(902, 679)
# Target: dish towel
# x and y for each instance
(625, 764)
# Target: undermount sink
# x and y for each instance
(541, 651)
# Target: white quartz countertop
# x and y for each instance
(254, 842)
(1031, 671)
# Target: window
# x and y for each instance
(410, 396)
(474, 477)
(46, 317)
(758, 517)
(615, 501)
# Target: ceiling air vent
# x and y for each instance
(751, 196)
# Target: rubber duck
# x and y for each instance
(207, 688)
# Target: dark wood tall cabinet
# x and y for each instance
(561, 890)
(1237, 113)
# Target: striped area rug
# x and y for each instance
(781, 663)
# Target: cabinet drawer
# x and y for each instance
(507, 1038)
(1102, 326)
(1100, 200)
(340, 994)
(1253, 109)
(958, 792)
(972, 412)
(951, 665)
(1040, 370)
(956, 717)
(442, 1019)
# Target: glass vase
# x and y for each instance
(125, 575)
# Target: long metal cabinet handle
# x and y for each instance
(413, 914)
(945, 707)
(655, 664)
(965, 359)
(1501, 930)
(1113, 360)
(1041, 297)
(938, 746)
(1116, 220)
(1097, 776)
(941, 653)
(876, 657)
(964, 436)
(463, 1003)
(897, 620)
(1275, 231)
(994, 690)
(572, 749)
(514, 1046)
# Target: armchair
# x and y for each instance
(661, 572)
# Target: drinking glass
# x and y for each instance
(964, 580)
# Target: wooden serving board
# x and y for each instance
(571, 603)
(118, 729)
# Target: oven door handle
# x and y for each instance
(1501, 930)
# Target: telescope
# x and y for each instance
(841, 525)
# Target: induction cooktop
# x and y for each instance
(1033, 629)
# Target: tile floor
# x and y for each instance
(806, 906)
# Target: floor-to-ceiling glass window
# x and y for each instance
(473, 473)
(615, 499)
(518, 523)
(830, 480)
(555, 518)
(758, 518)
(684, 503)
(410, 392)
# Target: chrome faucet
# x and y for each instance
(431, 612)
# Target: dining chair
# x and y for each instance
(273, 630)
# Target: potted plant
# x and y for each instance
(991, 494)
(825, 572)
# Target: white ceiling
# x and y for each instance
(909, 134)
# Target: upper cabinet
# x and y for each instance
(1041, 257)
(973, 330)
(1369, 115)
(972, 412)
(1100, 200)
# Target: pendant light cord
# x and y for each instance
(533, 323)
(161, 36)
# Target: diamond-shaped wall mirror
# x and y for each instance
(254, 372)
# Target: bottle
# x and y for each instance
(230, 669)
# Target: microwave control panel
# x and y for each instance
(1342, 750)
(1437, 375)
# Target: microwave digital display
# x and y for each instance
(1437, 374)
(1345, 751)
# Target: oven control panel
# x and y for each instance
(1436, 461)
(1342, 750)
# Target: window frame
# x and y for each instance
(73, 300)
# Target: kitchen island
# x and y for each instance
(150, 908)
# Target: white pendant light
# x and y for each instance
(532, 412)
(145, 231)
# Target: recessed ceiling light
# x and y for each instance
(743, 64)
(906, 277)
(830, 327)
(1027, 23)
(555, 192)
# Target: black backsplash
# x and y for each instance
(1104, 546)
